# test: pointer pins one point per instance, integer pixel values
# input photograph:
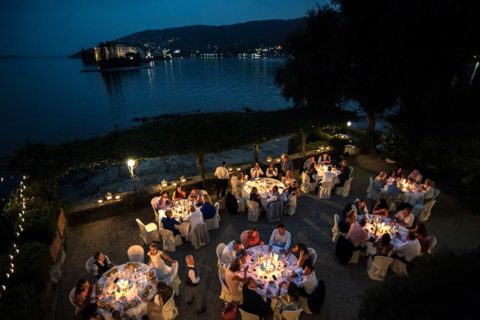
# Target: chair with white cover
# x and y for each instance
(71, 297)
(303, 304)
(351, 171)
(377, 267)
(170, 310)
(214, 223)
(225, 294)
(89, 265)
(372, 192)
(206, 196)
(399, 267)
(253, 210)
(350, 149)
(274, 211)
(335, 228)
(172, 279)
(306, 185)
(168, 240)
(155, 211)
(149, 232)
(242, 204)
(292, 314)
(431, 243)
(219, 251)
(355, 257)
(426, 211)
(136, 254)
(345, 190)
(292, 205)
(199, 236)
(248, 316)
(313, 255)
(325, 190)
(236, 186)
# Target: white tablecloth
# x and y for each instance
(109, 297)
(180, 209)
(264, 185)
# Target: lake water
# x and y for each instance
(51, 100)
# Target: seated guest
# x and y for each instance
(82, 293)
(234, 281)
(357, 234)
(405, 217)
(309, 281)
(288, 178)
(383, 245)
(208, 211)
(101, 264)
(230, 251)
(195, 217)
(285, 164)
(380, 208)
(291, 191)
(360, 207)
(396, 173)
(251, 238)
(429, 188)
(163, 202)
(393, 191)
(256, 171)
(345, 173)
(345, 223)
(328, 175)
(179, 194)
(195, 196)
(380, 181)
(309, 167)
(255, 196)
(288, 301)
(421, 235)
(156, 261)
(324, 158)
(281, 238)
(410, 249)
(252, 301)
(271, 171)
(415, 176)
(273, 195)
(301, 252)
(169, 223)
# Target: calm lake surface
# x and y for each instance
(51, 100)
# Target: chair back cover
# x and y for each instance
(253, 210)
(219, 251)
(427, 210)
(292, 315)
(168, 240)
(325, 190)
(155, 211)
(199, 236)
(432, 242)
(89, 265)
(170, 310)
(274, 211)
(313, 255)
(377, 267)
(346, 187)
(292, 205)
(335, 229)
(248, 316)
(136, 254)
(370, 188)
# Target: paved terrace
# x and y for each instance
(455, 227)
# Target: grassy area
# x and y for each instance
(205, 132)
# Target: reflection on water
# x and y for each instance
(51, 100)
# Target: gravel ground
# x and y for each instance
(455, 228)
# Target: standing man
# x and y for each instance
(222, 179)
(192, 290)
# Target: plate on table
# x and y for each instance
(110, 272)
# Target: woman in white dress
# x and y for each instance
(156, 261)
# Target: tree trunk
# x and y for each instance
(256, 150)
(371, 133)
(303, 144)
(201, 166)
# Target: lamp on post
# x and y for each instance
(132, 164)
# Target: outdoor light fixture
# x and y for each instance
(269, 159)
(349, 124)
(100, 201)
(108, 196)
(117, 197)
(238, 169)
(132, 164)
(164, 183)
(278, 160)
(230, 169)
(174, 184)
(183, 179)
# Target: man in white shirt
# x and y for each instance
(328, 175)
(195, 217)
(192, 286)
(406, 217)
(410, 249)
(309, 281)
(222, 179)
(281, 238)
(229, 253)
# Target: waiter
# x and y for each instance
(222, 179)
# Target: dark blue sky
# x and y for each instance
(51, 27)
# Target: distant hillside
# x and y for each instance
(234, 38)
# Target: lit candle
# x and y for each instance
(100, 201)
(117, 197)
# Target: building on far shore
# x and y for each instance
(112, 55)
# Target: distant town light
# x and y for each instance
(349, 123)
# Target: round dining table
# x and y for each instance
(263, 185)
(180, 209)
(123, 287)
(270, 269)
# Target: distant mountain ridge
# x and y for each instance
(235, 37)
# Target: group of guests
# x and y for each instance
(243, 288)
(310, 167)
(164, 202)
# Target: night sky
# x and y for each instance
(56, 27)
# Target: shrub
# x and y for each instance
(20, 303)
(443, 286)
(32, 265)
(39, 225)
